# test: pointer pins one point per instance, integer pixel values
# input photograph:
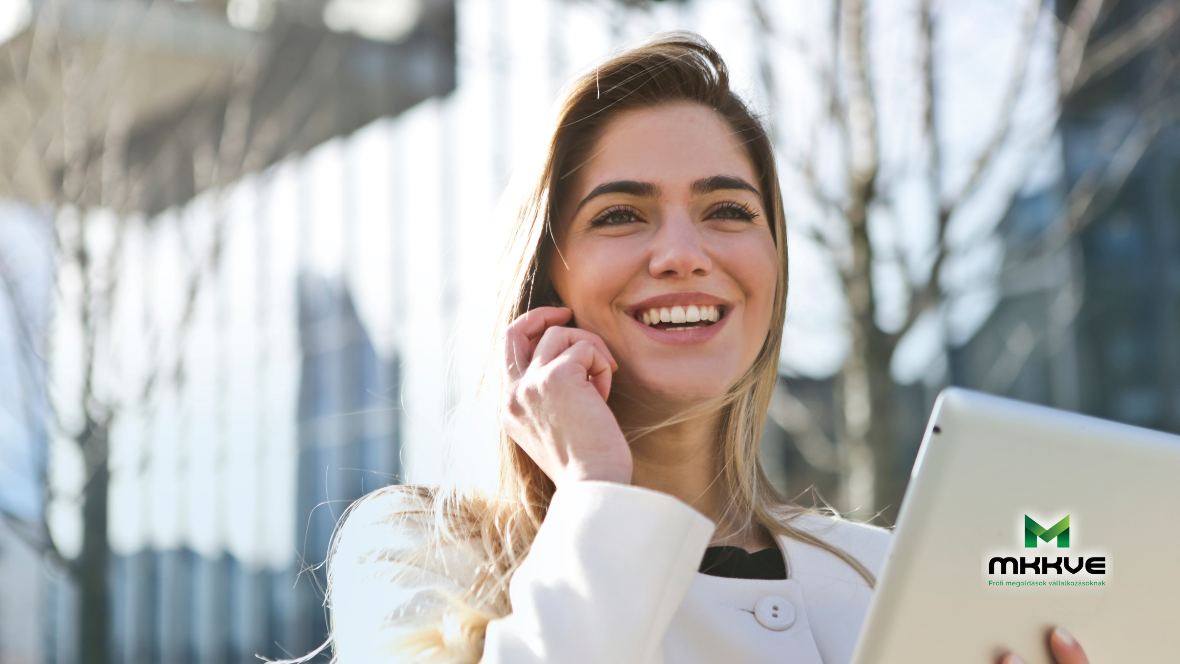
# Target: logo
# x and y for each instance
(1010, 567)
(1033, 530)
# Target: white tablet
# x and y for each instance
(1020, 517)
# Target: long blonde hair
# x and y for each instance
(499, 525)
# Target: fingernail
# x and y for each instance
(1064, 637)
(1013, 658)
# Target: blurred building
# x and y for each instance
(252, 405)
(182, 605)
(26, 286)
(349, 439)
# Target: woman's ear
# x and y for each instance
(552, 299)
(547, 298)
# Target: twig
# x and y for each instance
(1115, 50)
(1016, 83)
(37, 537)
(1074, 39)
(1095, 190)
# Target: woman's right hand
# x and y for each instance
(557, 382)
(1062, 645)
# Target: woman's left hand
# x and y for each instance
(1063, 646)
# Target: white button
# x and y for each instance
(774, 613)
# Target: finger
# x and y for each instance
(557, 339)
(1011, 658)
(534, 322)
(517, 354)
(587, 362)
(548, 319)
(601, 382)
(600, 375)
(1065, 648)
(521, 337)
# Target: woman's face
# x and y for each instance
(666, 253)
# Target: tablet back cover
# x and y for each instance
(994, 479)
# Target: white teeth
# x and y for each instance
(681, 314)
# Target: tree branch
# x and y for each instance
(833, 105)
(1098, 186)
(930, 292)
(1016, 83)
(1074, 39)
(926, 297)
(1105, 178)
(862, 113)
(863, 164)
(1115, 50)
(929, 121)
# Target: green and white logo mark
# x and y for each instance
(1010, 567)
(1033, 530)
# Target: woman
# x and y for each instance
(639, 349)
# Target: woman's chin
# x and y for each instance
(673, 392)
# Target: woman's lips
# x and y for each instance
(688, 333)
(682, 299)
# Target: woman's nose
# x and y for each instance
(678, 249)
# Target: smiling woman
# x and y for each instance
(638, 349)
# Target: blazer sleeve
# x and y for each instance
(609, 568)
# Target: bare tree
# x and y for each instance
(865, 390)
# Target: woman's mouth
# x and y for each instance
(680, 317)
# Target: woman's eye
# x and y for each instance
(615, 217)
(734, 211)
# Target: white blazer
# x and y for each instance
(612, 578)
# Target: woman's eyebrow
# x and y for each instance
(649, 190)
(642, 189)
(718, 182)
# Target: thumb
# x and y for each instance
(601, 382)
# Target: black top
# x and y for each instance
(734, 562)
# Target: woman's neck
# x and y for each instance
(682, 460)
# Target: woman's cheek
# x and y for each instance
(597, 277)
(759, 279)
